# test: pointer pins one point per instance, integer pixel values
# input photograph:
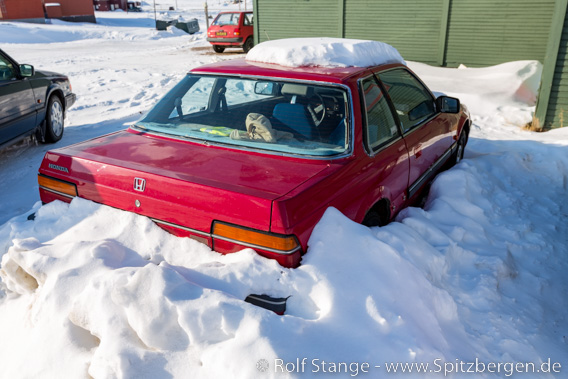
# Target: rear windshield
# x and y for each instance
(278, 116)
(227, 19)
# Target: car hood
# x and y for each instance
(48, 74)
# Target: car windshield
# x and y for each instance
(278, 116)
(227, 19)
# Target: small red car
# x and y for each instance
(243, 154)
(231, 29)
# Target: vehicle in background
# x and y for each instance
(31, 102)
(231, 29)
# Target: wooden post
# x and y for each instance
(443, 37)
(549, 66)
(256, 22)
(341, 29)
(206, 16)
(155, 17)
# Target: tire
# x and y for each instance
(249, 44)
(372, 218)
(54, 120)
(460, 149)
(378, 215)
(218, 49)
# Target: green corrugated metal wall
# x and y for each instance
(296, 18)
(444, 32)
(489, 32)
(413, 26)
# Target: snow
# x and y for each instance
(91, 291)
(324, 52)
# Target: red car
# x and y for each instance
(242, 154)
(231, 29)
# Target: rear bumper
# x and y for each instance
(290, 259)
(226, 41)
(223, 245)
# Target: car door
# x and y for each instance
(247, 27)
(384, 144)
(428, 133)
(17, 106)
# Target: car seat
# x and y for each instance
(293, 115)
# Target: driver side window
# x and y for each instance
(412, 101)
(6, 70)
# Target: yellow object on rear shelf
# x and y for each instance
(217, 130)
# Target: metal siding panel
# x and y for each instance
(488, 32)
(412, 26)
(297, 18)
(479, 32)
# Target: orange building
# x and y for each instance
(39, 10)
(24, 10)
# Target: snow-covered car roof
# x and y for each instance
(324, 52)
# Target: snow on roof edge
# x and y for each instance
(324, 52)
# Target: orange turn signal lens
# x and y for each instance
(57, 186)
(255, 238)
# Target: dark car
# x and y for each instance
(31, 102)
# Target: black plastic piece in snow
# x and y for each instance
(274, 304)
(31, 217)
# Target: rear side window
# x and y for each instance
(380, 126)
(248, 20)
(412, 101)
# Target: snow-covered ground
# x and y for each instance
(90, 291)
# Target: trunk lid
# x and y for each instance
(186, 183)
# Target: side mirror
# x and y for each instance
(265, 88)
(446, 104)
(27, 70)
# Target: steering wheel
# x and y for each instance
(316, 108)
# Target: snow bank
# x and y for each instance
(324, 52)
(478, 273)
(502, 94)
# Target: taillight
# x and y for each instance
(277, 243)
(57, 186)
(237, 32)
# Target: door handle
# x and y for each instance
(417, 151)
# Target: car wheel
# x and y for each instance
(372, 218)
(54, 120)
(378, 215)
(249, 43)
(218, 49)
(460, 149)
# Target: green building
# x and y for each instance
(441, 32)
